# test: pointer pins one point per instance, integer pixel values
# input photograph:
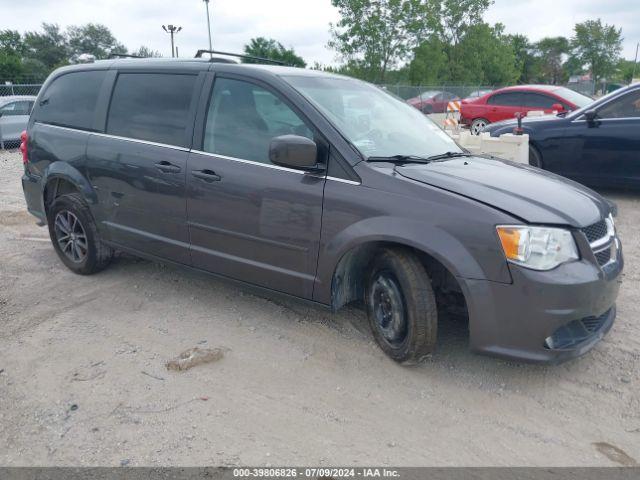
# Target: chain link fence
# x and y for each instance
(8, 89)
(452, 92)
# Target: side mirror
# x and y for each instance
(294, 151)
(558, 107)
(590, 116)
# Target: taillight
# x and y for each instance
(24, 138)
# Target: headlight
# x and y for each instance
(538, 248)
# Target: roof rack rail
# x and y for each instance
(123, 55)
(248, 57)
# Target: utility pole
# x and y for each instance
(172, 29)
(206, 2)
(635, 62)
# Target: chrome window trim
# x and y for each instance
(117, 137)
(344, 180)
(209, 154)
(250, 162)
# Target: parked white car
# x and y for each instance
(14, 115)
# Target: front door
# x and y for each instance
(611, 144)
(138, 167)
(249, 219)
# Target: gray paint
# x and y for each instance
(288, 231)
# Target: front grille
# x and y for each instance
(574, 333)
(596, 231)
(603, 256)
(593, 324)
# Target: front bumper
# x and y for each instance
(538, 317)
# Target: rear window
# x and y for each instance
(152, 107)
(70, 100)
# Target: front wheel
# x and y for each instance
(401, 306)
(478, 124)
(75, 237)
(535, 159)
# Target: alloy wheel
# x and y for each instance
(71, 236)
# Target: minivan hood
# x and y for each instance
(528, 193)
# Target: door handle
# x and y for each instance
(166, 167)
(206, 175)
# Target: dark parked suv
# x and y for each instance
(324, 188)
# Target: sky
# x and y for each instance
(301, 24)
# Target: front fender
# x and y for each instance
(428, 238)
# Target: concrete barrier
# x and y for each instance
(508, 146)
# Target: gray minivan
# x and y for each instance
(324, 188)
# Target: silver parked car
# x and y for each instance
(14, 116)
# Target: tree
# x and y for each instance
(146, 52)
(451, 19)
(486, 56)
(526, 63)
(551, 51)
(49, 47)
(378, 33)
(598, 46)
(11, 43)
(430, 64)
(274, 50)
(94, 39)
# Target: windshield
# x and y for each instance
(574, 97)
(375, 122)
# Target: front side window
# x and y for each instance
(243, 118)
(15, 109)
(627, 106)
(538, 100)
(374, 121)
(152, 107)
(70, 100)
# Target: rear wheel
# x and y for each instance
(75, 237)
(401, 306)
(478, 124)
(535, 159)
(427, 109)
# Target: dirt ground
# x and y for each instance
(83, 381)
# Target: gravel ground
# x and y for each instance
(83, 381)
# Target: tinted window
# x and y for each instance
(153, 107)
(16, 108)
(538, 100)
(506, 99)
(243, 118)
(627, 106)
(71, 100)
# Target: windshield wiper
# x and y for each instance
(447, 155)
(400, 159)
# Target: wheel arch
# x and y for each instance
(61, 178)
(445, 258)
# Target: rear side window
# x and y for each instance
(152, 107)
(70, 101)
(512, 99)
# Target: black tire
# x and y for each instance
(535, 159)
(92, 255)
(427, 109)
(411, 338)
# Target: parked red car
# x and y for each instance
(504, 103)
(432, 101)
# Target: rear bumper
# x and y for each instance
(544, 317)
(33, 196)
